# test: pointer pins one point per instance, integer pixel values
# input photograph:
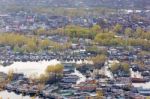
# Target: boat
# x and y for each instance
(7, 63)
(138, 80)
(145, 92)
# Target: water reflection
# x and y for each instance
(12, 95)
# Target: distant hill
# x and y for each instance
(138, 4)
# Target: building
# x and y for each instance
(3, 76)
(69, 67)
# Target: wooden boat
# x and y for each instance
(138, 80)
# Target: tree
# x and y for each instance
(128, 32)
(31, 45)
(17, 49)
(44, 44)
(99, 60)
(55, 69)
(43, 78)
(146, 35)
(117, 28)
(125, 66)
(10, 74)
(99, 95)
(61, 31)
(105, 39)
(81, 32)
(33, 97)
(147, 97)
(139, 31)
(41, 31)
(114, 67)
(93, 48)
(96, 29)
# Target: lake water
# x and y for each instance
(32, 68)
(29, 68)
(12, 95)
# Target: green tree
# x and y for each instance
(31, 46)
(105, 39)
(139, 31)
(55, 68)
(114, 67)
(99, 60)
(125, 66)
(117, 28)
(44, 44)
(41, 31)
(96, 29)
(43, 78)
(128, 32)
(99, 94)
(10, 74)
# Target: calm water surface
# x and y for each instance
(12, 95)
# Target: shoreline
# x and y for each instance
(12, 95)
(34, 68)
(28, 68)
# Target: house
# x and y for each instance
(17, 76)
(122, 81)
(87, 86)
(70, 79)
(3, 76)
(85, 69)
(69, 67)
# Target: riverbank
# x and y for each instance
(29, 68)
(34, 68)
(11, 95)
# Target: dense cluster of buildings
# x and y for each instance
(82, 82)
(85, 80)
(25, 21)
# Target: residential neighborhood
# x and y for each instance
(74, 49)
